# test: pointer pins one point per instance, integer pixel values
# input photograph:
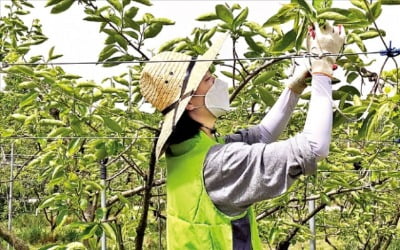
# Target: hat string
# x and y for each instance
(175, 104)
(183, 94)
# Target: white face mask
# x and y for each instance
(217, 98)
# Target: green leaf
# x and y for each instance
(264, 77)
(113, 125)
(131, 13)
(123, 199)
(73, 146)
(61, 131)
(27, 85)
(359, 3)
(48, 202)
(255, 27)
(110, 232)
(285, 14)
(144, 2)
(207, 36)
(351, 77)
(52, 2)
(100, 151)
(362, 132)
(300, 36)
(22, 69)
(350, 90)
(62, 6)
(61, 217)
(19, 117)
(390, 2)
(132, 34)
(356, 14)
(369, 34)
(116, 4)
(91, 185)
(89, 231)
(51, 122)
(322, 4)
(306, 7)
(121, 41)
(266, 97)
(163, 21)
(152, 30)
(126, 2)
(239, 19)
(353, 37)
(325, 198)
(168, 45)
(286, 42)
(74, 246)
(376, 9)
(107, 52)
(28, 99)
(207, 17)
(230, 75)
(6, 132)
(86, 85)
(253, 45)
(100, 212)
(224, 13)
(332, 15)
(58, 172)
(129, 23)
(93, 18)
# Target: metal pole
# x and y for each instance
(103, 177)
(130, 91)
(311, 208)
(10, 196)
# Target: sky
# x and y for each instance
(79, 40)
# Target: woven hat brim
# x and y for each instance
(199, 70)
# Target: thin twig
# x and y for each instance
(251, 76)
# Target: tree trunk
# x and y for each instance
(13, 240)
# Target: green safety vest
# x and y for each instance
(193, 222)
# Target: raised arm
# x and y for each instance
(237, 174)
(277, 118)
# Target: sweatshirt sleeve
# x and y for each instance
(237, 174)
(272, 125)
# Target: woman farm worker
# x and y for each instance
(211, 185)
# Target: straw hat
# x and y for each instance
(168, 84)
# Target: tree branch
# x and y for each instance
(252, 75)
(132, 192)
(13, 240)
(119, 33)
(283, 245)
(141, 228)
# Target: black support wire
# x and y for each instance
(289, 56)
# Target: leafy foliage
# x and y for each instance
(78, 126)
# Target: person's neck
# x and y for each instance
(209, 131)
(207, 121)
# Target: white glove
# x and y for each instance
(298, 82)
(328, 39)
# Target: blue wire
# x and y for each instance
(390, 52)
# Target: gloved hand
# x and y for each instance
(328, 39)
(297, 83)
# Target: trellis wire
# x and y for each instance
(290, 56)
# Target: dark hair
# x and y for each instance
(185, 129)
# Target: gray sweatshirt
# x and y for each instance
(252, 167)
